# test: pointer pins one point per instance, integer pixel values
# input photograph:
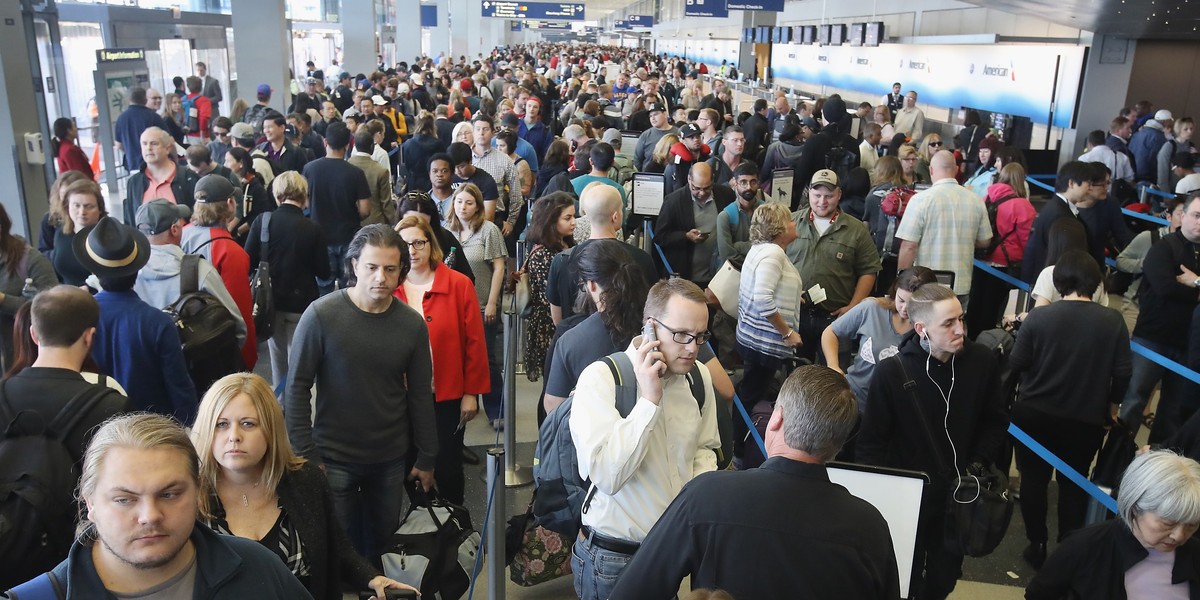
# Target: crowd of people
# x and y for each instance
(390, 209)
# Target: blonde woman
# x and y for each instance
(908, 165)
(172, 114)
(483, 245)
(768, 300)
(929, 146)
(253, 486)
(662, 154)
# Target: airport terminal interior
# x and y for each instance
(1082, 102)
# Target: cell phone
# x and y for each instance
(648, 334)
(392, 594)
(704, 235)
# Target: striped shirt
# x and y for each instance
(770, 284)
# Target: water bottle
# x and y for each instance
(29, 291)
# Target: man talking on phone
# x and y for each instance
(639, 463)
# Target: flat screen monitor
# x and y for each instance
(809, 34)
(857, 31)
(874, 34)
(824, 33)
(837, 34)
(897, 496)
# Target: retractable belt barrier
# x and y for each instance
(1033, 179)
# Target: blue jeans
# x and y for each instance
(367, 499)
(337, 273)
(596, 569)
(493, 336)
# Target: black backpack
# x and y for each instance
(207, 329)
(838, 159)
(993, 209)
(37, 485)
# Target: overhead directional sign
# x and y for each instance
(622, 25)
(546, 25)
(640, 20)
(558, 11)
(705, 8)
(759, 5)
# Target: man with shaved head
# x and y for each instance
(159, 177)
(687, 225)
(943, 225)
(602, 211)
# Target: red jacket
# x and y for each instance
(72, 158)
(233, 264)
(1014, 219)
(460, 362)
(203, 115)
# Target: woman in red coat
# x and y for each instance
(446, 298)
(69, 156)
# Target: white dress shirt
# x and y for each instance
(640, 463)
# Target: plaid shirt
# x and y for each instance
(945, 221)
(502, 169)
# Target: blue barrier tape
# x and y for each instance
(1063, 468)
(1110, 262)
(1048, 188)
(762, 446)
(1143, 216)
(1179, 369)
(1050, 176)
(1001, 275)
(1154, 191)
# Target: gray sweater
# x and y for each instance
(374, 376)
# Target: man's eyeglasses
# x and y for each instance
(684, 337)
(698, 189)
(418, 244)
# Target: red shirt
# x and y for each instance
(460, 362)
(72, 158)
(233, 265)
(159, 189)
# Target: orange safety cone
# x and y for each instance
(96, 162)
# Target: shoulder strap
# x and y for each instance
(696, 381)
(621, 367)
(910, 386)
(189, 274)
(43, 587)
(264, 234)
(76, 409)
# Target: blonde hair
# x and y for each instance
(435, 249)
(456, 224)
(1014, 175)
(663, 148)
(80, 186)
(140, 431)
(905, 151)
(765, 225)
(279, 457)
(924, 153)
(289, 185)
(211, 214)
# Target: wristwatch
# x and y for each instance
(1196, 283)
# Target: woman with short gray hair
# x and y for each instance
(768, 304)
(1147, 552)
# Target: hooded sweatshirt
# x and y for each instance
(967, 386)
(158, 283)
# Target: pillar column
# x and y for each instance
(439, 37)
(21, 112)
(359, 35)
(408, 30)
(262, 41)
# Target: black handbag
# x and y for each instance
(978, 505)
(1115, 455)
(260, 287)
